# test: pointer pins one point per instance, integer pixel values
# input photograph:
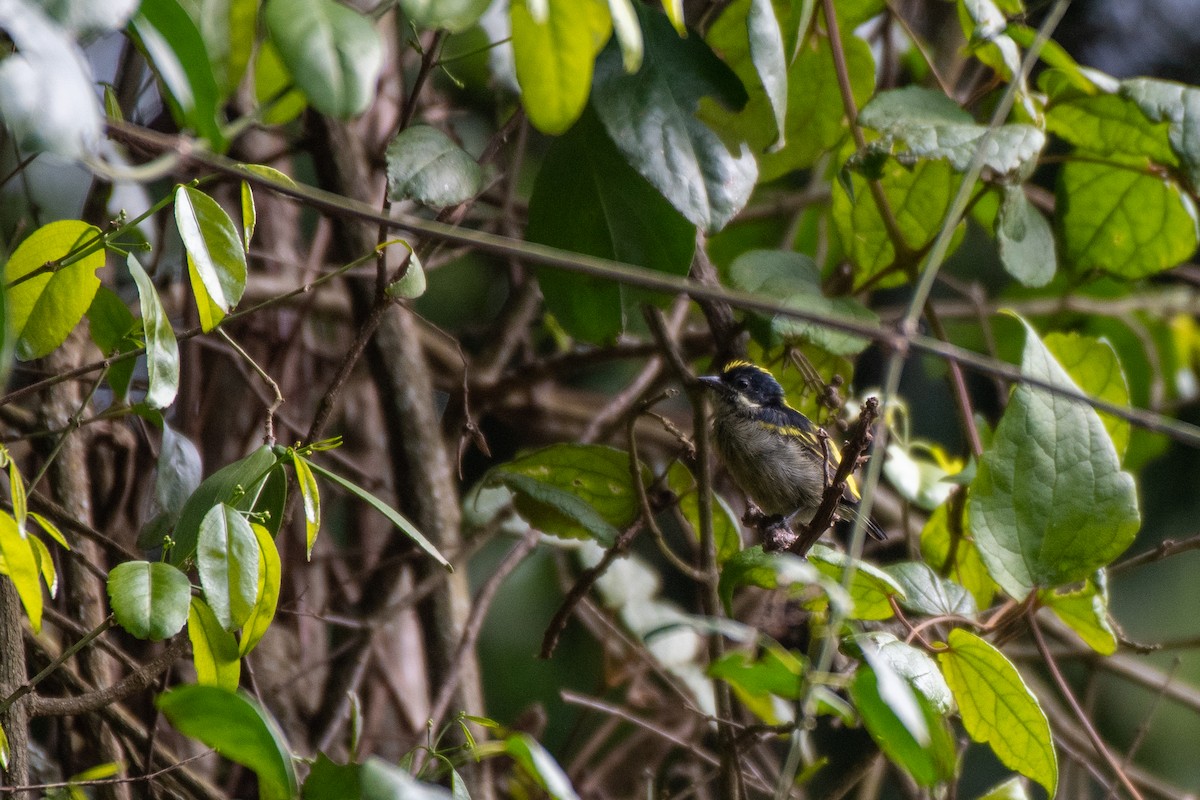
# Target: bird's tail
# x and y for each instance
(852, 512)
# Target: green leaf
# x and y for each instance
(793, 278)
(267, 598)
(570, 490)
(21, 566)
(1049, 504)
(380, 780)
(5, 749)
(554, 58)
(754, 567)
(227, 28)
(216, 259)
(928, 593)
(629, 33)
(45, 564)
(393, 516)
(149, 599)
(727, 530)
(237, 484)
(770, 61)
(651, 116)
(1012, 789)
(51, 529)
(214, 650)
(1094, 366)
(1085, 611)
(177, 53)
(997, 707)
(1178, 105)
(869, 588)
(454, 16)
(912, 664)
(933, 126)
(1025, 240)
(586, 199)
(19, 499)
(162, 351)
(310, 493)
(334, 53)
(815, 120)
(237, 728)
(279, 102)
(423, 164)
(227, 558)
(176, 476)
(902, 721)
(762, 680)
(249, 215)
(43, 309)
(329, 781)
(968, 569)
(110, 322)
(1111, 126)
(539, 765)
(919, 197)
(1127, 222)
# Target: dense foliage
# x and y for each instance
(349, 361)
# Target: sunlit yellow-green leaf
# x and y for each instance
(214, 650)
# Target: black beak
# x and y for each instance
(711, 382)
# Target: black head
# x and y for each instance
(746, 384)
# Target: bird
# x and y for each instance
(774, 453)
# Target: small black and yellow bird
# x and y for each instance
(772, 450)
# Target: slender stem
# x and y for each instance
(262, 373)
(30, 684)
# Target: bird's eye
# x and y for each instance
(742, 384)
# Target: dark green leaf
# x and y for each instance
(997, 707)
(903, 723)
(727, 530)
(762, 680)
(651, 116)
(227, 558)
(216, 259)
(928, 593)
(176, 51)
(237, 484)
(1049, 504)
(149, 599)
(176, 476)
(110, 321)
(588, 200)
(1123, 221)
(236, 727)
(227, 28)
(1112, 126)
(42, 310)
(334, 53)
(393, 516)
(423, 164)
